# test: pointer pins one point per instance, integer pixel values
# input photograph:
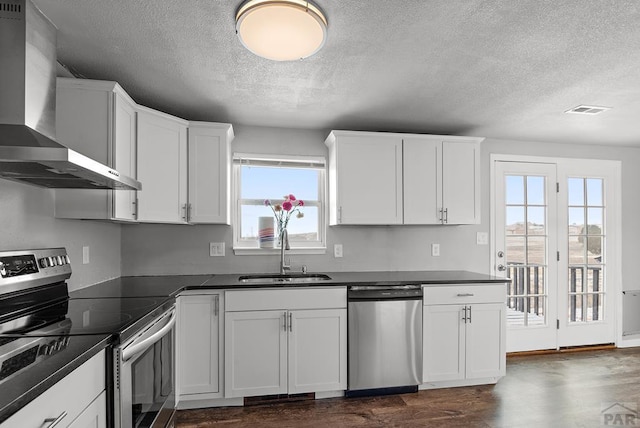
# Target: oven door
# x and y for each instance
(144, 376)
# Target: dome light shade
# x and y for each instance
(281, 30)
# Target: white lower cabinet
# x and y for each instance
(199, 346)
(464, 333)
(285, 341)
(77, 400)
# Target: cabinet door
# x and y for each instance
(485, 341)
(94, 416)
(199, 344)
(255, 353)
(368, 179)
(461, 182)
(209, 175)
(422, 180)
(444, 343)
(124, 155)
(162, 168)
(317, 350)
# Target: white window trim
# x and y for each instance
(321, 246)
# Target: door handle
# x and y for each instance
(464, 317)
(469, 314)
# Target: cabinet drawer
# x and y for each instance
(72, 394)
(288, 298)
(464, 293)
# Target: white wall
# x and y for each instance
(164, 249)
(26, 222)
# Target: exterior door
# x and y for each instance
(586, 307)
(526, 251)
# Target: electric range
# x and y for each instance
(39, 321)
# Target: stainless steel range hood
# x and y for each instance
(29, 151)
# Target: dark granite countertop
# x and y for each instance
(361, 278)
(24, 386)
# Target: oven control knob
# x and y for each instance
(43, 262)
(3, 271)
(66, 259)
(51, 261)
(60, 263)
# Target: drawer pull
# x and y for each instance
(465, 294)
(55, 421)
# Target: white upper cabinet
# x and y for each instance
(385, 178)
(97, 119)
(162, 167)
(365, 178)
(209, 151)
(441, 180)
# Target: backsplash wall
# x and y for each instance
(27, 221)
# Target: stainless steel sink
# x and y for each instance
(280, 279)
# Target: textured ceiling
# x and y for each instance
(495, 68)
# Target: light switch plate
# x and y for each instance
(435, 250)
(216, 249)
(482, 238)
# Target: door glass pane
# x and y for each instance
(594, 191)
(575, 187)
(526, 249)
(535, 190)
(514, 185)
(537, 222)
(586, 245)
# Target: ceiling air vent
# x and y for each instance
(590, 110)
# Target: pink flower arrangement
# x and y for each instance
(283, 212)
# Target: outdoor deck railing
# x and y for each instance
(527, 281)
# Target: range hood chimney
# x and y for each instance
(29, 151)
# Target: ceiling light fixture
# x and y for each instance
(281, 30)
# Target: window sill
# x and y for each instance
(254, 251)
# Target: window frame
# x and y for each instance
(251, 247)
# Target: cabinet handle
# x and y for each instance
(446, 215)
(55, 421)
(441, 218)
(465, 294)
(290, 322)
(464, 317)
(469, 312)
(135, 208)
(339, 214)
(216, 307)
(188, 212)
(284, 314)
(184, 209)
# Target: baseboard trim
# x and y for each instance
(566, 349)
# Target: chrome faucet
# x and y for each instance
(284, 245)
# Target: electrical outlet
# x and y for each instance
(216, 249)
(482, 238)
(85, 255)
(435, 250)
(337, 250)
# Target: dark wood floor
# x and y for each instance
(555, 390)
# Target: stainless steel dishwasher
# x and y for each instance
(385, 339)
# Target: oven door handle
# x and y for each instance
(136, 348)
